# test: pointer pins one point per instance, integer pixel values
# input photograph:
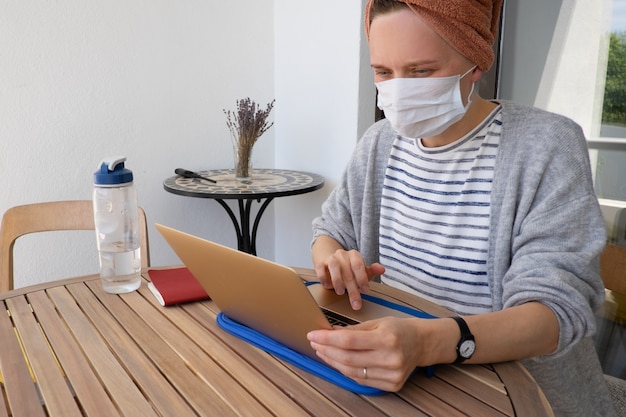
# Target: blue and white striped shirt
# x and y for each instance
(434, 224)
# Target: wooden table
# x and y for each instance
(263, 186)
(98, 354)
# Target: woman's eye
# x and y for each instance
(382, 75)
(421, 72)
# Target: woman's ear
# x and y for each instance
(476, 75)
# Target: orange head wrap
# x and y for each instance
(469, 26)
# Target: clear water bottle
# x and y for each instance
(116, 217)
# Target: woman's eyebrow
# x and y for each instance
(422, 63)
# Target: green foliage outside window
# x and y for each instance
(614, 107)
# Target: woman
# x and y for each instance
(484, 207)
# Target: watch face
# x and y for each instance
(467, 348)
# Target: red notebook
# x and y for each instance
(175, 286)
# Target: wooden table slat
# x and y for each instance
(522, 389)
(483, 374)
(4, 406)
(93, 398)
(468, 383)
(147, 358)
(431, 405)
(117, 382)
(22, 396)
(205, 389)
(56, 394)
(457, 398)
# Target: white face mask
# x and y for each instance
(422, 107)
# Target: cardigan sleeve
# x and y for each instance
(547, 224)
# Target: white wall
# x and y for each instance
(322, 74)
(80, 80)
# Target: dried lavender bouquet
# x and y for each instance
(246, 125)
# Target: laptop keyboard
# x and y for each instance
(337, 319)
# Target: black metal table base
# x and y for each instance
(246, 239)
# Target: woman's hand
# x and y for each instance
(343, 270)
(379, 353)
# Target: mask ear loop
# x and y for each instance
(469, 96)
(468, 71)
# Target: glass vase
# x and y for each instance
(243, 161)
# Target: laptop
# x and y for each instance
(266, 296)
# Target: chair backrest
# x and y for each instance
(613, 268)
(51, 216)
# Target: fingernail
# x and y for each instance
(339, 291)
(356, 304)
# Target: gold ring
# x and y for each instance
(364, 373)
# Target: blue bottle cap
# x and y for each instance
(112, 172)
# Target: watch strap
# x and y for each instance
(466, 335)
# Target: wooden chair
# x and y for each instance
(613, 268)
(51, 216)
(613, 273)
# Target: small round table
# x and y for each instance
(264, 184)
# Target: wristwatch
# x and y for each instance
(466, 346)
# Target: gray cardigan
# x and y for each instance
(545, 237)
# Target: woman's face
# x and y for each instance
(402, 45)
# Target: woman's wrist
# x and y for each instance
(439, 338)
